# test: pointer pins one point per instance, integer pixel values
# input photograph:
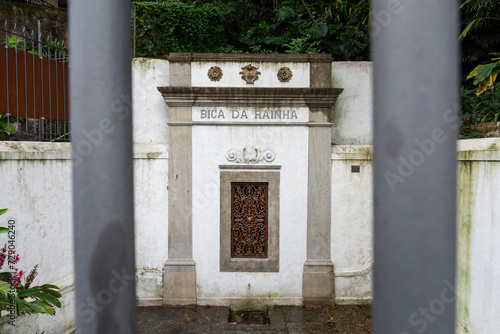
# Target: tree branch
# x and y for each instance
(308, 11)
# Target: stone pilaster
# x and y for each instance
(318, 277)
(179, 275)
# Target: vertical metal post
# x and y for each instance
(34, 80)
(17, 77)
(64, 88)
(416, 83)
(7, 74)
(40, 54)
(101, 110)
(25, 82)
(57, 89)
(134, 29)
(50, 86)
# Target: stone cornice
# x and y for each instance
(247, 57)
(239, 96)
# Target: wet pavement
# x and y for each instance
(280, 319)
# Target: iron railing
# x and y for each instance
(34, 99)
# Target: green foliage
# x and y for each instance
(348, 25)
(485, 75)
(173, 26)
(480, 31)
(24, 298)
(5, 127)
(480, 109)
(303, 45)
(481, 36)
(48, 49)
(339, 27)
(14, 43)
(290, 30)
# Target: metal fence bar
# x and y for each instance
(40, 54)
(415, 51)
(42, 93)
(25, 81)
(101, 112)
(50, 88)
(57, 91)
(34, 81)
(7, 75)
(64, 93)
(17, 76)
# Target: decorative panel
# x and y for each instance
(249, 220)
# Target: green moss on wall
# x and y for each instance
(467, 183)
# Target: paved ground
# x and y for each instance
(282, 319)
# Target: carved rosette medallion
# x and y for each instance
(250, 74)
(215, 73)
(250, 154)
(284, 74)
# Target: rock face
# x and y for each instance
(53, 21)
(490, 129)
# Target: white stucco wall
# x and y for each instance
(352, 219)
(231, 74)
(244, 289)
(151, 212)
(352, 113)
(150, 114)
(479, 232)
(37, 191)
(36, 188)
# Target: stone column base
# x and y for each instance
(318, 283)
(179, 283)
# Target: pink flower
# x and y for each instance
(15, 280)
(31, 277)
(3, 255)
(14, 259)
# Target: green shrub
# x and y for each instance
(164, 27)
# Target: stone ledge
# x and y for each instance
(32, 150)
(487, 149)
(247, 57)
(352, 152)
(242, 96)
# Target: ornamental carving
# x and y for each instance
(284, 74)
(250, 155)
(215, 73)
(250, 74)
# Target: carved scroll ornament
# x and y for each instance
(250, 155)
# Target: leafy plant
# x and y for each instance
(478, 109)
(485, 75)
(480, 32)
(172, 26)
(24, 298)
(5, 127)
(339, 27)
(14, 42)
(331, 321)
(303, 45)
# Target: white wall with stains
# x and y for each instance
(36, 188)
